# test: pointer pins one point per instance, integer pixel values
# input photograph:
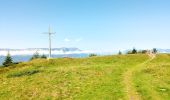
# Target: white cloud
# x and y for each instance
(41, 51)
(74, 40)
(67, 40)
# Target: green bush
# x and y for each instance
(37, 56)
(129, 52)
(133, 51)
(142, 51)
(92, 55)
(22, 73)
(44, 56)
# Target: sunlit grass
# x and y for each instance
(153, 80)
(94, 78)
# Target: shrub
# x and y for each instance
(35, 56)
(129, 52)
(92, 55)
(44, 56)
(16, 63)
(22, 73)
(142, 51)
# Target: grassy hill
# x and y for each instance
(122, 77)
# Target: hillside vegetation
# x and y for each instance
(121, 77)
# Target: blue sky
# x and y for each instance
(86, 24)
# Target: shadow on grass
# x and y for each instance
(23, 73)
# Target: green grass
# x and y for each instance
(94, 78)
(153, 80)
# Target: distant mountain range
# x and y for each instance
(31, 51)
(164, 50)
(22, 55)
(59, 51)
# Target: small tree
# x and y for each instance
(44, 56)
(8, 60)
(35, 56)
(134, 51)
(120, 53)
(154, 50)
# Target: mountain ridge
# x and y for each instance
(31, 51)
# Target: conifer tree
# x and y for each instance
(154, 50)
(8, 60)
(120, 53)
(134, 51)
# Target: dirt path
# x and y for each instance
(131, 93)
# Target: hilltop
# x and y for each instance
(119, 77)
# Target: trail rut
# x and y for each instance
(131, 93)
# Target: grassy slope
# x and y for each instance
(153, 80)
(87, 78)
